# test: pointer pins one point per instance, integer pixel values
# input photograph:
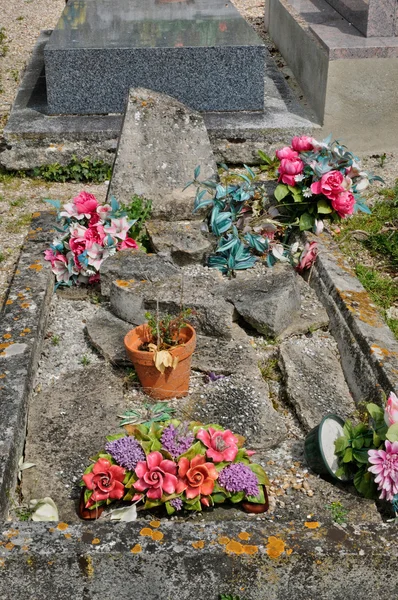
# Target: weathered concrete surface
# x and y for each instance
(134, 265)
(106, 333)
(222, 357)
(312, 314)
(22, 322)
(161, 143)
(368, 349)
(68, 423)
(268, 302)
(314, 379)
(183, 241)
(95, 560)
(211, 314)
(240, 403)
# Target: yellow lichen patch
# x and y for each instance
(154, 524)
(5, 345)
(96, 541)
(22, 334)
(2, 375)
(275, 547)
(223, 540)
(36, 266)
(7, 336)
(122, 283)
(243, 535)
(25, 548)
(25, 305)
(20, 295)
(62, 526)
(35, 215)
(289, 551)
(9, 301)
(381, 352)
(51, 530)
(146, 532)
(10, 546)
(67, 536)
(359, 303)
(312, 524)
(199, 545)
(234, 547)
(26, 330)
(12, 533)
(2, 562)
(136, 549)
(157, 536)
(250, 549)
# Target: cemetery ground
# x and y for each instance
(314, 537)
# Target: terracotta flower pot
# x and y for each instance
(173, 383)
(253, 507)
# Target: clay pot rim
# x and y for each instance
(184, 349)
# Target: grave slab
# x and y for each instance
(203, 53)
(183, 241)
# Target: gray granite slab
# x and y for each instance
(373, 18)
(203, 53)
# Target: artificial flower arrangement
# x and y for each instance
(89, 233)
(368, 452)
(176, 464)
(318, 181)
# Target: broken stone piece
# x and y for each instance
(106, 333)
(183, 241)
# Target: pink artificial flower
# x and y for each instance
(344, 204)
(118, 228)
(385, 467)
(49, 255)
(60, 267)
(391, 411)
(196, 477)
(70, 211)
(222, 445)
(307, 257)
(288, 169)
(85, 203)
(94, 278)
(127, 243)
(103, 210)
(106, 482)
(286, 152)
(157, 475)
(302, 143)
(329, 185)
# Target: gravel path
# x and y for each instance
(21, 23)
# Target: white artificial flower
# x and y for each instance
(307, 192)
(299, 177)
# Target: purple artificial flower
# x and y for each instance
(126, 451)
(177, 440)
(176, 503)
(237, 477)
(385, 467)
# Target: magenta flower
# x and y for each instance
(286, 152)
(106, 481)
(302, 143)
(307, 257)
(391, 410)
(385, 467)
(288, 169)
(344, 204)
(222, 445)
(85, 203)
(157, 475)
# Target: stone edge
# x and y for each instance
(367, 346)
(23, 319)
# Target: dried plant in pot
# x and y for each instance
(161, 352)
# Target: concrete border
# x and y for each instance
(22, 324)
(368, 348)
(33, 137)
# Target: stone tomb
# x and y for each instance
(201, 52)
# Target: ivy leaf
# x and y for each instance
(281, 192)
(306, 222)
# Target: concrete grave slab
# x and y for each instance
(183, 241)
(106, 333)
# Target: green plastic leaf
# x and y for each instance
(260, 473)
(306, 222)
(260, 499)
(376, 412)
(170, 509)
(237, 497)
(361, 456)
(364, 483)
(116, 436)
(347, 455)
(281, 192)
(218, 498)
(357, 443)
(341, 444)
(392, 433)
(324, 207)
(197, 448)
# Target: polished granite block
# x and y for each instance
(201, 52)
(373, 18)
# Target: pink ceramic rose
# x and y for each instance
(221, 445)
(308, 256)
(329, 185)
(303, 143)
(391, 410)
(106, 481)
(288, 169)
(344, 204)
(286, 152)
(157, 475)
(85, 203)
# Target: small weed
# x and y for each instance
(382, 289)
(15, 74)
(96, 298)
(20, 18)
(229, 597)
(338, 512)
(55, 340)
(18, 201)
(393, 325)
(141, 210)
(270, 164)
(270, 370)
(3, 45)
(18, 224)
(2, 257)
(130, 378)
(86, 171)
(85, 361)
(23, 514)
